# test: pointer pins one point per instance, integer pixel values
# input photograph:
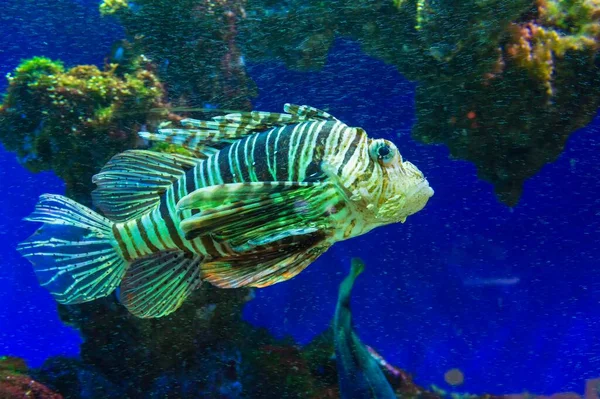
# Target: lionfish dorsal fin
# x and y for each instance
(308, 113)
(204, 138)
(131, 183)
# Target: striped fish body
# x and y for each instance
(288, 153)
(264, 197)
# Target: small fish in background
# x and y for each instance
(573, 164)
(359, 373)
(119, 54)
(264, 196)
(479, 261)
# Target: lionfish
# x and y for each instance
(264, 195)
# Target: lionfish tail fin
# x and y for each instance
(74, 254)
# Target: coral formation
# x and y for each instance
(203, 350)
(72, 121)
(513, 115)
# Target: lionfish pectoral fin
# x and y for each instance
(287, 234)
(131, 183)
(242, 211)
(210, 196)
(261, 268)
(157, 285)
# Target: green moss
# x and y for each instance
(34, 68)
(72, 121)
(112, 7)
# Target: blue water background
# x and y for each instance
(411, 304)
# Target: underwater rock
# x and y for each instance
(133, 353)
(511, 113)
(15, 383)
(204, 350)
(72, 121)
(74, 379)
(194, 44)
(502, 84)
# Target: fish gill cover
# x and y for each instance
(502, 84)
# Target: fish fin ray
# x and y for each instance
(271, 265)
(193, 140)
(204, 137)
(308, 113)
(277, 236)
(243, 211)
(131, 183)
(157, 285)
(74, 253)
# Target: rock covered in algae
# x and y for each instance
(73, 120)
(502, 84)
(15, 382)
(512, 112)
(194, 43)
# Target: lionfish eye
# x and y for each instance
(382, 151)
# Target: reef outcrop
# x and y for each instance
(195, 46)
(502, 84)
(71, 121)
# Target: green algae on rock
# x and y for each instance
(512, 116)
(72, 121)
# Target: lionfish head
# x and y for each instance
(392, 189)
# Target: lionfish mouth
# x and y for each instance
(399, 207)
(424, 189)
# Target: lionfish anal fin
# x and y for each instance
(157, 285)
